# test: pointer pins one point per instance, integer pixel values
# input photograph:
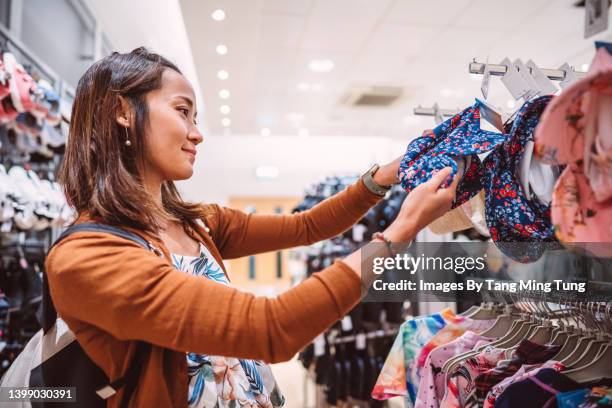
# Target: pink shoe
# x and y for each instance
(4, 81)
(21, 84)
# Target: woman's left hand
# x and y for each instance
(387, 174)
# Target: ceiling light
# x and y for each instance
(585, 67)
(226, 122)
(303, 86)
(218, 15)
(321, 65)
(266, 172)
(476, 77)
(511, 104)
(303, 133)
(221, 49)
(265, 132)
(225, 109)
(222, 74)
(224, 94)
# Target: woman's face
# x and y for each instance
(172, 134)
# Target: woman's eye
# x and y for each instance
(184, 111)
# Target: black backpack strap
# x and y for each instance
(130, 379)
(47, 315)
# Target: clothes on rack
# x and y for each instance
(560, 193)
(345, 372)
(417, 338)
(452, 361)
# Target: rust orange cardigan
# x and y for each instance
(112, 292)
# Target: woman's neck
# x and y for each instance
(153, 186)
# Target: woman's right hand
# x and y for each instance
(426, 203)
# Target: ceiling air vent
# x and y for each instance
(371, 95)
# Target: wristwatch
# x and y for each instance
(368, 180)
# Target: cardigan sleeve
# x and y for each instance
(238, 234)
(124, 290)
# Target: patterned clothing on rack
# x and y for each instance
(216, 381)
(461, 381)
(451, 332)
(395, 376)
(527, 352)
(539, 390)
(523, 373)
(458, 137)
(431, 385)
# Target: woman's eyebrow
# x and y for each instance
(186, 99)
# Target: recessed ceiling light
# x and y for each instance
(585, 67)
(303, 86)
(218, 15)
(224, 94)
(321, 65)
(268, 172)
(226, 122)
(303, 133)
(221, 49)
(511, 104)
(225, 109)
(265, 132)
(222, 74)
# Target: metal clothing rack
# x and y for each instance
(500, 70)
(368, 335)
(423, 111)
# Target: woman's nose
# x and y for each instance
(195, 136)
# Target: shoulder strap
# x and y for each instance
(94, 227)
(47, 315)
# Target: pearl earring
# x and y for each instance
(128, 143)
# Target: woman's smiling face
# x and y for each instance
(171, 132)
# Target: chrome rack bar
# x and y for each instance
(422, 111)
(500, 70)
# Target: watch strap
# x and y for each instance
(371, 185)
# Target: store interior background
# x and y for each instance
(285, 126)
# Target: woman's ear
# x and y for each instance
(124, 112)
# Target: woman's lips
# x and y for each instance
(191, 153)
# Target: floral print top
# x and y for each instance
(215, 381)
(399, 376)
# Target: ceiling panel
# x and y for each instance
(498, 14)
(424, 47)
(296, 7)
(431, 12)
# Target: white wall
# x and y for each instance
(155, 24)
(225, 165)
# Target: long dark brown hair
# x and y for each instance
(100, 174)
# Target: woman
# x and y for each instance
(133, 132)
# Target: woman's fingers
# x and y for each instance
(440, 177)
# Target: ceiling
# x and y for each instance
(422, 47)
